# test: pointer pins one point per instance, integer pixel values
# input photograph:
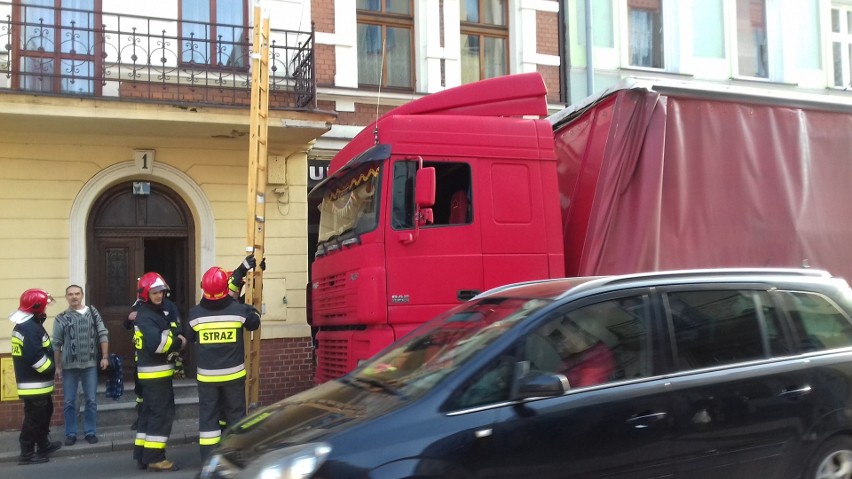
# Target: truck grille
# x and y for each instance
(329, 300)
(332, 355)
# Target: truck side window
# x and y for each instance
(717, 327)
(818, 323)
(453, 203)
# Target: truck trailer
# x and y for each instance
(474, 187)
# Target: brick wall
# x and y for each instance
(324, 60)
(547, 43)
(286, 368)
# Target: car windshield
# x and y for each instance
(349, 206)
(422, 359)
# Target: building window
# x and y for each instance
(751, 38)
(645, 33)
(385, 41)
(214, 32)
(57, 45)
(841, 44)
(484, 39)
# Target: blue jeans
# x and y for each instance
(71, 378)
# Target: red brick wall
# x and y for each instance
(547, 43)
(286, 368)
(322, 12)
(324, 60)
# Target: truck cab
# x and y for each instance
(442, 198)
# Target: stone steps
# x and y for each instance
(123, 411)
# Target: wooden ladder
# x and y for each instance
(257, 178)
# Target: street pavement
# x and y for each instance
(89, 464)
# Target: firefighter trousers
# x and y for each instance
(225, 400)
(37, 413)
(155, 420)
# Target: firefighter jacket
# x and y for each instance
(154, 339)
(216, 329)
(32, 355)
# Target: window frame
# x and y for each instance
(19, 50)
(406, 196)
(844, 39)
(212, 42)
(663, 50)
(482, 31)
(385, 20)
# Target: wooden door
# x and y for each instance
(118, 262)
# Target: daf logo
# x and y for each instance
(353, 276)
(400, 298)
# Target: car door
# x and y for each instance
(614, 422)
(740, 398)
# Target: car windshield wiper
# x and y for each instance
(378, 383)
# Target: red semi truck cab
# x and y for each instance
(388, 259)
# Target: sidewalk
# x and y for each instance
(110, 438)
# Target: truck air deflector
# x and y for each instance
(380, 152)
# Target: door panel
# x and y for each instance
(743, 402)
(118, 263)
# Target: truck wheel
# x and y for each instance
(833, 460)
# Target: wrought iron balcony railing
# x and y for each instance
(72, 52)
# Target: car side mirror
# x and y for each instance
(539, 384)
(424, 192)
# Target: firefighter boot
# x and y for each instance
(28, 455)
(163, 466)
(45, 447)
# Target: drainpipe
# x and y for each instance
(590, 64)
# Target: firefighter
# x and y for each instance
(215, 328)
(32, 356)
(156, 347)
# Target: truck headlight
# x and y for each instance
(297, 462)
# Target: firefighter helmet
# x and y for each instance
(215, 283)
(33, 302)
(150, 283)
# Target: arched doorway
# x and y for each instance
(129, 234)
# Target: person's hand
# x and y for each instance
(132, 316)
(104, 364)
(250, 262)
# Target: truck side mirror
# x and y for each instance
(424, 189)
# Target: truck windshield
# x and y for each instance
(422, 359)
(349, 207)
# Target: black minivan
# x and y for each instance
(728, 373)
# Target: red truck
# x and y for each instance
(467, 189)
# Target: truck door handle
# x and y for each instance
(466, 294)
(646, 419)
(795, 392)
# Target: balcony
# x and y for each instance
(78, 53)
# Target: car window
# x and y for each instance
(717, 327)
(818, 322)
(594, 344)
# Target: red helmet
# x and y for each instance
(215, 283)
(33, 302)
(150, 283)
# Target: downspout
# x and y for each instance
(590, 64)
(564, 55)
